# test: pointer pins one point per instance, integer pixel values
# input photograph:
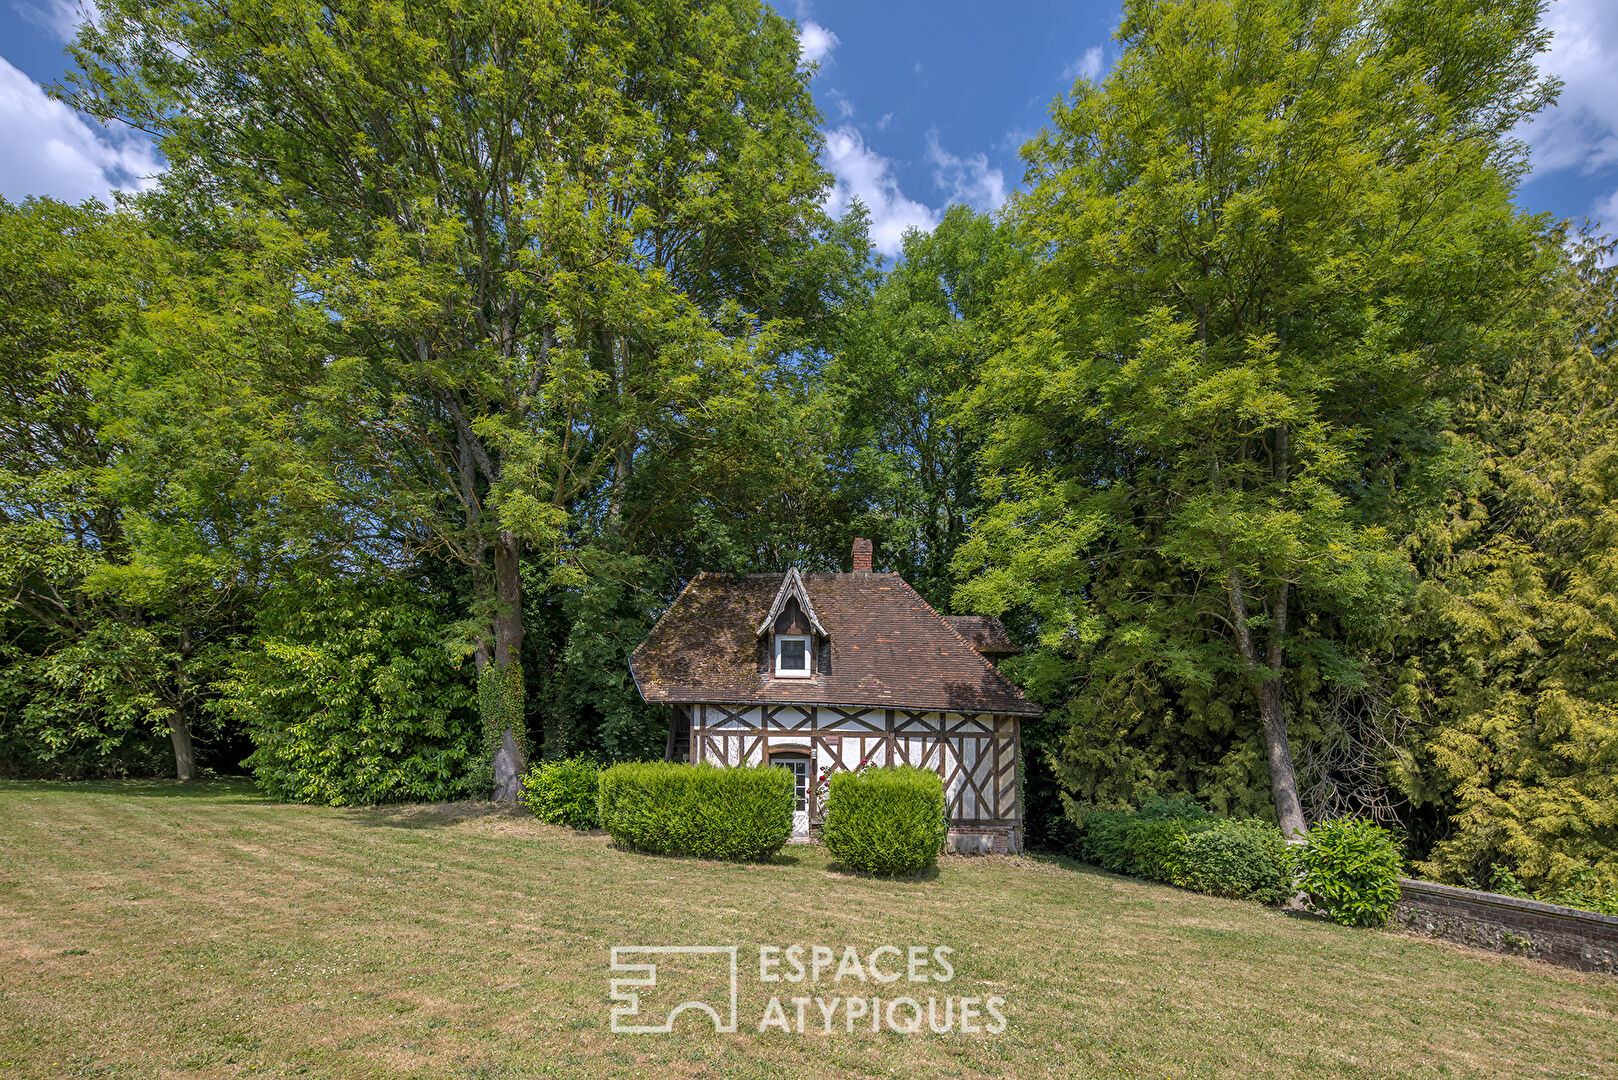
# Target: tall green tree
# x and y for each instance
(1266, 247)
(148, 469)
(909, 358)
(1521, 604)
(542, 229)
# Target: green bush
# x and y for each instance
(1105, 835)
(1349, 869)
(885, 821)
(1156, 849)
(351, 699)
(1244, 859)
(1101, 838)
(564, 792)
(741, 814)
(1182, 844)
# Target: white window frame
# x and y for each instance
(808, 656)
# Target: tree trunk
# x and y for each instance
(1272, 704)
(1272, 708)
(185, 759)
(509, 760)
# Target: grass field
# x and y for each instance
(150, 930)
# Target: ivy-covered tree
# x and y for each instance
(1266, 248)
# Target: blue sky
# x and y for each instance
(925, 103)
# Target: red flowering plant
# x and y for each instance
(823, 785)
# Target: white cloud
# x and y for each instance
(52, 150)
(845, 107)
(1581, 132)
(859, 172)
(1014, 140)
(59, 18)
(882, 124)
(1088, 66)
(815, 42)
(967, 180)
(1605, 211)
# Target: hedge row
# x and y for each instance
(713, 812)
(1347, 870)
(1182, 844)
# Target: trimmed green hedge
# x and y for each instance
(712, 812)
(1104, 834)
(885, 821)
(1182, 844)
(564, 792)
(1241, 858)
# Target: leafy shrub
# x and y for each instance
(1101, 839)
(1106, 832)
(885, 821)
(1349, 869)
(564, 792)
(1240, 858)
(1585, 888)
(1156, 849)
(713, 812)
(352, 699)
(1185, 845)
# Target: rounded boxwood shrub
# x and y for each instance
(1349, 870)
(564, 792)
(885, 821)
(1240, 858)
(742, 814)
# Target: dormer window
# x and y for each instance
(792, 656)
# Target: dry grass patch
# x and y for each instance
(152, 931)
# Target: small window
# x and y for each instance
(792, 656)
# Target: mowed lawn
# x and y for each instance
(150, 930)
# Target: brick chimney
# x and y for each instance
(862, 555)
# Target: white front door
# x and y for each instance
(799, 765)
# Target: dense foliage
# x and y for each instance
(1240, 858)
(1270, 425)
(1183, 844)
(1349, 871)
(350, 698)
(740, 814)
(885, 821)
(564, 792)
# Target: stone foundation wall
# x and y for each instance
(1507, 924)
(984, 840)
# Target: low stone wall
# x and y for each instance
(1507, 924)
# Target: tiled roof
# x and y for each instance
(889, 648)
(985, 634)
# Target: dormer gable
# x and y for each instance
(792, 589)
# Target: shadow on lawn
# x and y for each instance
(435, 815)
(229, 789)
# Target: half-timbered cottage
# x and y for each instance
(820, 672)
